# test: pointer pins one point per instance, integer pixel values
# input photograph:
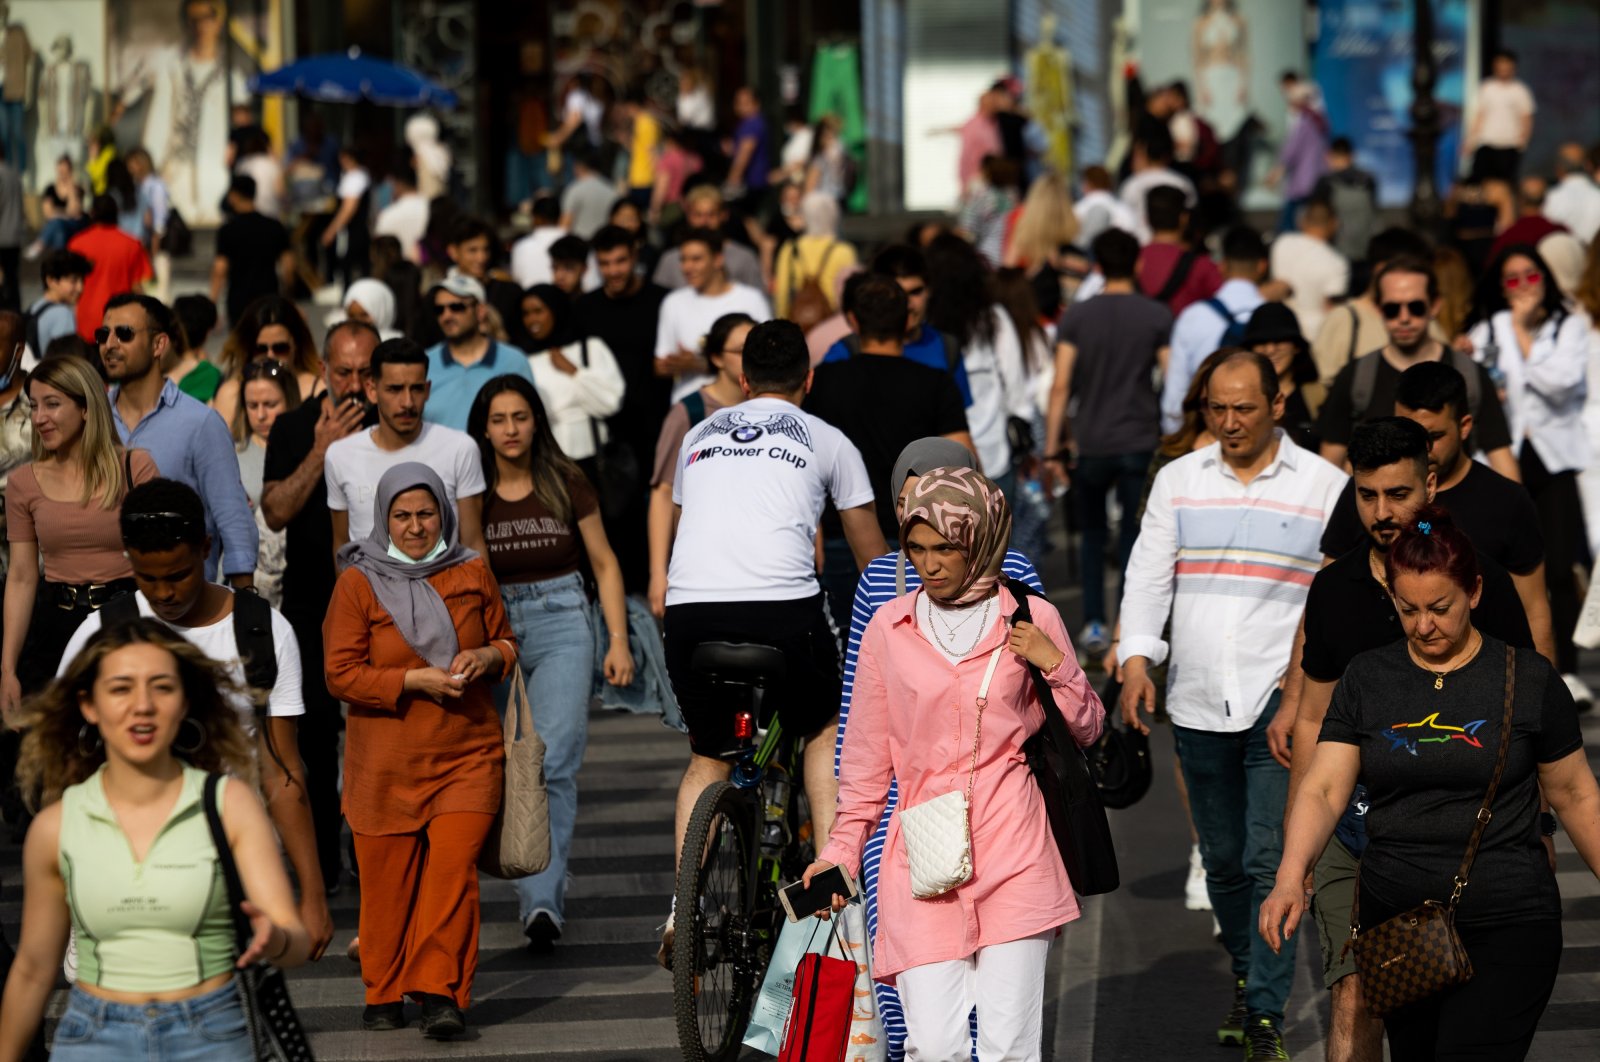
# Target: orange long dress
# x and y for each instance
(407, 758)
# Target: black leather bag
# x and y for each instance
(1071, 797)
(616, 468)
(1120, 760)
(275, 1029)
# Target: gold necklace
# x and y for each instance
(1438, 676)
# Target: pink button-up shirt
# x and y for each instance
(912, 718)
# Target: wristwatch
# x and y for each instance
(1547, 824)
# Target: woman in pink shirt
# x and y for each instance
(915, 718)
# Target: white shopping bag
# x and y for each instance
(867, 1041)
(1587, 636)
(776, 998)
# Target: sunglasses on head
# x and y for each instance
(264, 367)
(124, 333)
(442, 308)
(178, 522)
(1414, 308)
(1517, 280)
(279, 349)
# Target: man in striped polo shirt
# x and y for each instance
(1229, 544)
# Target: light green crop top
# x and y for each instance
(154, 926)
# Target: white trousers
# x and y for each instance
(1005, 982)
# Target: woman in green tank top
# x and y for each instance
(117, 752)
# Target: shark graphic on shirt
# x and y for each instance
(1430, 731)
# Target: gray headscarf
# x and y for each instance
(917, 459)
(403, 589)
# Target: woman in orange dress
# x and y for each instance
(416, 634)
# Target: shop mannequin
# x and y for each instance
(66, 103)
(1049, 78)
(16, 88)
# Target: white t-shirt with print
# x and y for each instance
(687, 316)
(216, 640)
(753, 480)
(355, 464)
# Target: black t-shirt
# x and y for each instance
(1426, 758)
(1490, 430)
(252, 243)
(628, 327)
(882, 404)
(308, 546)
(1496, 513)
(1116, 338)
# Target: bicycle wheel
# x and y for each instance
(713, 963)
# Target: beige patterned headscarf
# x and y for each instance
(969, 511)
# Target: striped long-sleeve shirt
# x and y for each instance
(875, 589)
(1231, 562)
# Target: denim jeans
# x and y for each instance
(1236, 797)
(551, 620)
(1095, 476)
(13, 134)
(208, 1028)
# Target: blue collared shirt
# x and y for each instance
(190, 444)
(455, 385)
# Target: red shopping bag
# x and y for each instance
(824, 1001)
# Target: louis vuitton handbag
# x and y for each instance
(1418, 953)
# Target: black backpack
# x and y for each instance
(252, 630)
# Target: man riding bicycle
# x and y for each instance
(752, 482)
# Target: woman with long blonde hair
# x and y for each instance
(137, 732)
(1044, 223)
(63, 506)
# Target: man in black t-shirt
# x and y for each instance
(1497, 514)
(1348, 611)
(623, 313)
(253, 253)
(295, 496)
(882, 402)
(1408, 296)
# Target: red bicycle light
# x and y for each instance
(744, 725)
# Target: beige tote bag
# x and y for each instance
(519, 841)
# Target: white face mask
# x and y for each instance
(397, 554)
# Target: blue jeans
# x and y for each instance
(13, 133)
(1095, 476)
(1236, 797)
(555, 642)
(208, 1028)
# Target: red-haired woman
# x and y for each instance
(1420, 722)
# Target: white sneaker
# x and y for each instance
(1581, 693)
(1195, 896)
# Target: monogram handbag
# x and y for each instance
(275, 1029)
(1418, 953)
(938, 832)
(519, 840)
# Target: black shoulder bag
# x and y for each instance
(275, 1029)
(1071, 798)
(616, 468)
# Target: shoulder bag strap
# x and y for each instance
(230, 871)
(1055, 726)
(1485, 813)
(1175, 279)
(594, 426)
(1355, 332)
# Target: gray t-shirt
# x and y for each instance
(1116, 407)
(1427, 755)
(588, 200)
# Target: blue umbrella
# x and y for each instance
(353, 77)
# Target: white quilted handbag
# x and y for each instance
(937, 833)
(519, 841)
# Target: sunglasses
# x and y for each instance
(1517, 280)
(179, 523)
(442, 308)
(124, 333)
(1414, 308)
(265, 367)
(279, 349)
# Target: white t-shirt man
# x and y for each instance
(530, 259)
(687, 316)
(353, 184)
(217, 641)
(1502, 106)
(1315, 271)
(782, 464)
(406, 219)
(1136, 187)
(355, 464)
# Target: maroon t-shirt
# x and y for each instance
(1156, 263)
(527, 543)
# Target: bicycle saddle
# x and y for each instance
(757, 665)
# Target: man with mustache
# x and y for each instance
(1349, 611)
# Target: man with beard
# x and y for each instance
(1349, 611)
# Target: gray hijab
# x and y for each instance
(917, 459)
(402, 589)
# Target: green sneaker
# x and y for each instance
(1231, 1031)
(1262, 1041)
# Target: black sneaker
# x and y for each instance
(1231, 1031)
(441, 1018)
(383, 1017)
(1263, 1042)
(542, 932)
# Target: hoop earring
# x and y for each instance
(83, 732)
(199, 742)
